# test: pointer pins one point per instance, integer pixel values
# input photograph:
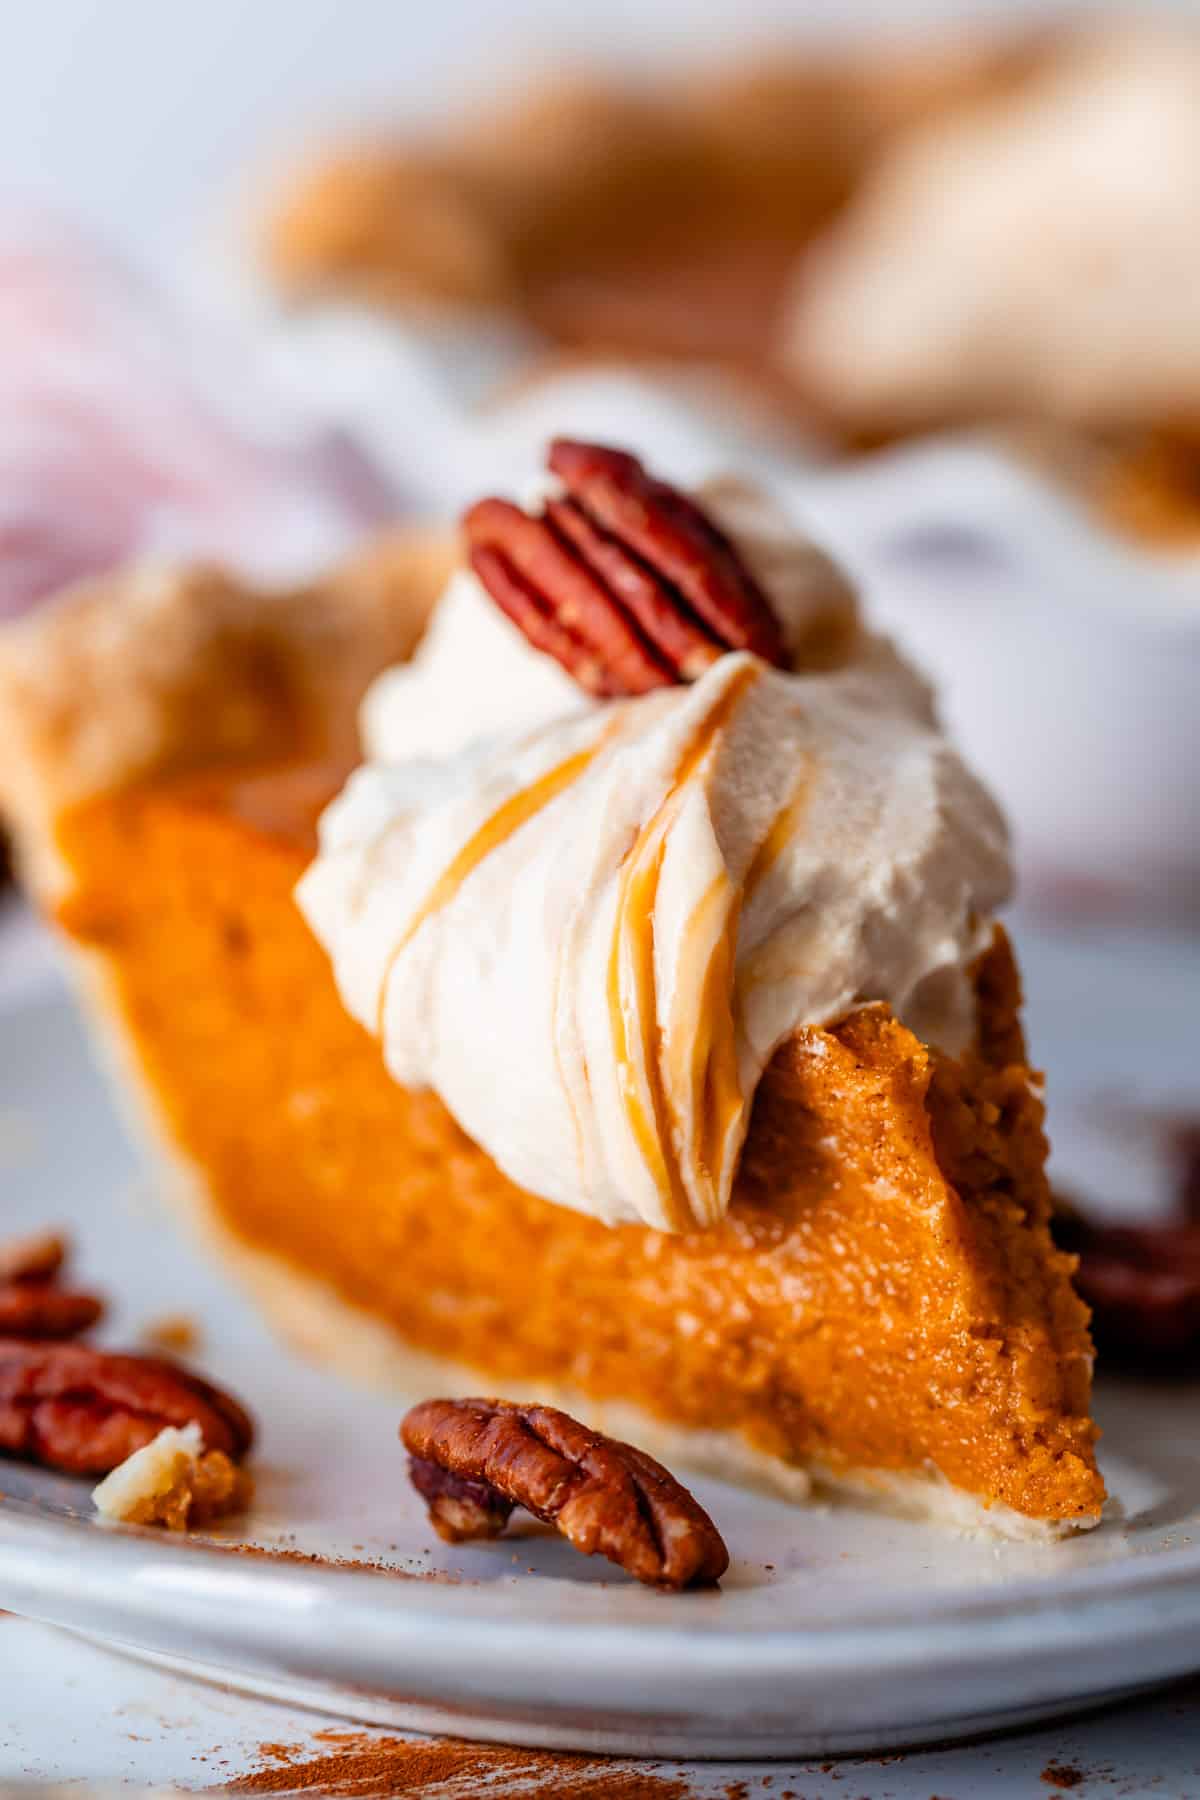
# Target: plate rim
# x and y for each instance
(407, 1652)
(44, 1551)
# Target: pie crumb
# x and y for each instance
(175, 1482)
(177, 1332)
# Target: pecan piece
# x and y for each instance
(1142, 1283)
(623, 580)
(475, 1460)
(1186, 1144)
(32, 1304)
(84, 1411)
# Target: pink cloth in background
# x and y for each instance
(129, 430)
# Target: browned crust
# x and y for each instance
(1149, 487)
(160, 668)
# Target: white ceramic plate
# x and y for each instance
(835, 1630)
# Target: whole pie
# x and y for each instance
(643, 1039)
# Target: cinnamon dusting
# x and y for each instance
(359, 1762)
(360, 1565)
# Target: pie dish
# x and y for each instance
(767, 1192)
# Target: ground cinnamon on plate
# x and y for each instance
(1062, 1775)
(358, 1762)
(314, 1559)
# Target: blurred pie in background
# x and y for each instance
(656, 221)
(1033, 260)
(999, 233)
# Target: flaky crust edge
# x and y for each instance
(161, 666)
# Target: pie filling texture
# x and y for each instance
(882, 1296)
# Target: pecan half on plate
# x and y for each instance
(624, 580)
(84, 1411)
(36, 1257)
(1142, 1283)
(32, 1303)
(473, 1461)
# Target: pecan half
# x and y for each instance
(36, 1257)
(623, 580)
(41, 1309)
(32, 1304)
(1186, 1144)
(84, 1410)
(475, 1460)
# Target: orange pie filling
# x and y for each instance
(881, 1302)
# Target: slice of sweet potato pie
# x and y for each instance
(631, 1029)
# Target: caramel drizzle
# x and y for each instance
(758, 965)
(716, 1085)
(706, 1065)
(631, 977)
(782, 830)
(508, 819)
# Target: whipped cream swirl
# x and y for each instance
(590, 929)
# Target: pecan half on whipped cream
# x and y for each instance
(621, 578)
